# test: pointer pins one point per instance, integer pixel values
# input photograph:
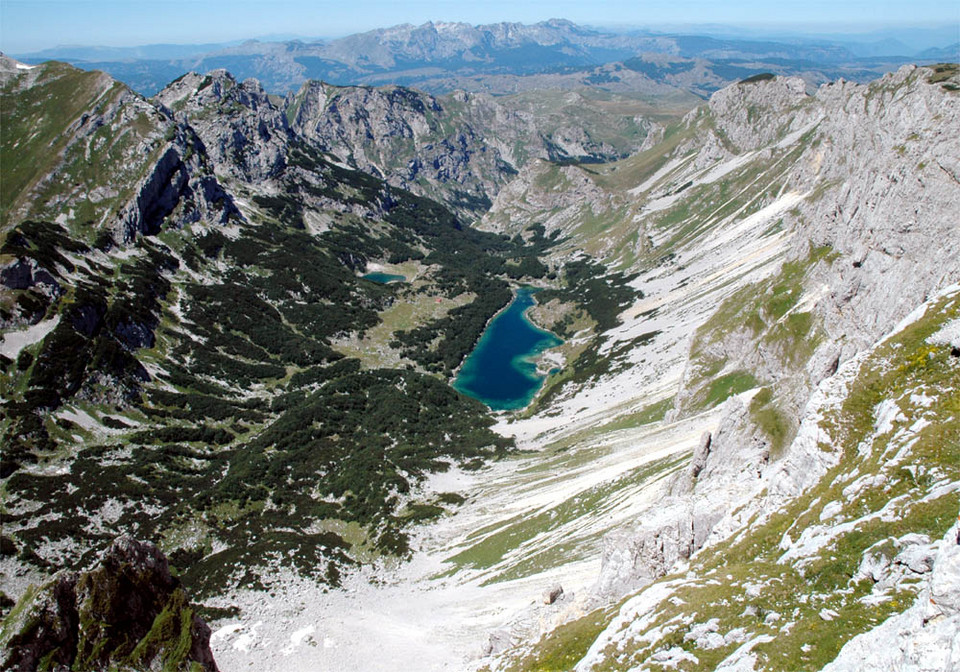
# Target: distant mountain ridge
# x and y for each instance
(442, 56)
(142, 52)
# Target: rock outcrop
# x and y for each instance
(924, 637)
(242, 130)
(175, 192)
(128, 612)
(636, 557)
(462, 148)
(150, 171)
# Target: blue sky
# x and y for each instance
(29, 25)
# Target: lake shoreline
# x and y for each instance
(504, 369)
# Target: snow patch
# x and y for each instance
(298, 637)
(659, 175)
(760, 218)
(724, 168)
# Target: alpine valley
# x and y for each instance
(223, 447)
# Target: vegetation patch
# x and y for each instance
(723, 387)
(755, 79)
(774, 423)
(943, 73)
(649, 414)
(561, 648)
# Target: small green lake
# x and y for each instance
(384, 278)
(501, 371)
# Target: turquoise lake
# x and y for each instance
(501, 371)
(384, 278)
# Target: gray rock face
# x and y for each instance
(883, 159)
(461, 149)
(176, 192)
(402, 136)
(27, 273)
(405, 137)
(699, 461)
(885, 163)
(252, 144)
(894, 160)
(636, 557)
(560, 207)
(751, 115)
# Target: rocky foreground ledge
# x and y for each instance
(128, 612)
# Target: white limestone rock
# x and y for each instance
(926, 637)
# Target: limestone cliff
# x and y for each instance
(461, 148)
(822, 229)
(105, 158)
(241, 128)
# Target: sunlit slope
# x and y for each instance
(775, 236)
(764, 173)
(814, 564)
(69, 133)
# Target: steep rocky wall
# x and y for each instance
(871, 236)
(462, 148)
(879, 172)
(891, 159)
(243, 131)
(178, 190)
(881, 158)
(413, 140)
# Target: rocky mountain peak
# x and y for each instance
(251, 145)
(127, 612)
(753, 112)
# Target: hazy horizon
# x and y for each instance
(29, 26)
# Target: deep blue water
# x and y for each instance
(500, 371)
(384, 278)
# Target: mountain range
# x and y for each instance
(497, 58)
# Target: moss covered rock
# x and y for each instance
(128, 612)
